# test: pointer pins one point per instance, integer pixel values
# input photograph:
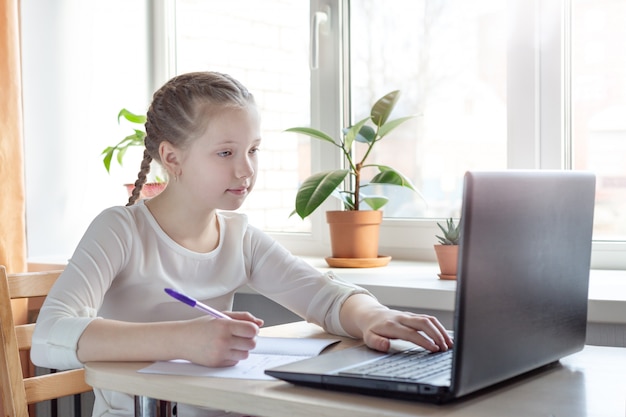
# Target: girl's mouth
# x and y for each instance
(238, 191)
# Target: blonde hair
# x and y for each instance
(178, 113)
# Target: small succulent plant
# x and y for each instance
(450, 231)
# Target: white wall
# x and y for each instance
(82, 61)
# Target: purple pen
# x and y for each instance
(196, 304)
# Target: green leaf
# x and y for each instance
(383, 107)
(388, 127)
(388, 175)
(316, 189)
(138, 138)
(375, 201)
(366, 135)
(108, 155)
(352, 133)
(346, 198)
(314, 133)
(131, 117)
(120, 154)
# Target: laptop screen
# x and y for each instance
(523, 272)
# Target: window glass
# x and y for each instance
(448, 58)
(264, 44)
(598, 107)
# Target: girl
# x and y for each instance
(109, 303)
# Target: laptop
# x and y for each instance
(521, 297)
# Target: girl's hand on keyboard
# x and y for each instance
(364, 317)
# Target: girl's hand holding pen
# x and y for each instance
(219, 343)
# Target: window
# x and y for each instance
(495, 85)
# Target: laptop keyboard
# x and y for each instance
(412, 364)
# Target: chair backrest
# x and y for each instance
(19, 391)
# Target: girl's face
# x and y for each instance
(219, 168)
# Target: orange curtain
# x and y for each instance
(12, 208)
(12, 205)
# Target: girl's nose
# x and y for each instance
(245, 168)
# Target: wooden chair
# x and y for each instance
(19, 391)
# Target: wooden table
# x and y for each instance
(589, 383)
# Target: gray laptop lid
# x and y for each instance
(521, 299)
(524, 272)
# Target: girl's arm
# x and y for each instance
(205, 340)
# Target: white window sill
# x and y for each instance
(416, 285)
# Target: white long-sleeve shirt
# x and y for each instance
(125, 260)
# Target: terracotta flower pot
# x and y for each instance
(149, 189)
(447, 256)
(354, 234)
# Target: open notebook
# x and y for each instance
(269, 352)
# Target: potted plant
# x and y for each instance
(447, 250)
(118, 151)
(350, 228)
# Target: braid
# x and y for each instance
(141, 178)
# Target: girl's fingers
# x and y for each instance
(425, 331)
(244, 316)
(429, 331)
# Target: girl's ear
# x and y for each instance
(170, 158)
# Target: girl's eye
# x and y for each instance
(254, 150)
(224, 154)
